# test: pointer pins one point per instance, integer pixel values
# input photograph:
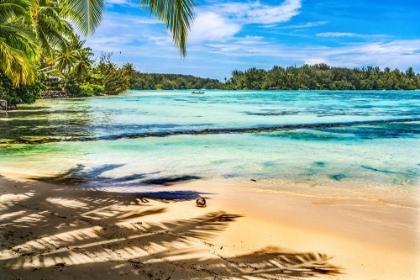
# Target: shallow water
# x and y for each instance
(364, 142)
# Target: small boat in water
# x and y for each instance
(198, 92)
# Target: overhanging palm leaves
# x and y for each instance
(177, 15)
(51, 27)
(11, 8)
(18, 45)
(85, 14)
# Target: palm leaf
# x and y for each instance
(18, 52)
(177, 15)
(85, 14)
(13, 8)
(51, 28)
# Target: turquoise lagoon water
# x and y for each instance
(363, 142)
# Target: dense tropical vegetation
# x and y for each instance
(39, 41)
(324, 77)
(313, 77)
(149, 81)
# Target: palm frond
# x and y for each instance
(51, 28)
(85, 14)
(13, 8)
(176, 15)
(18, 52)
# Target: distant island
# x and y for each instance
(306, 77)
(151, 81)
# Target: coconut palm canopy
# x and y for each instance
(19, 49)
(30, 29)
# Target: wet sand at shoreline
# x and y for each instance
(65, 232)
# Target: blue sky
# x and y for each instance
(229, 35)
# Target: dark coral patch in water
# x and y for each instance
(319, 163)
(338, 177)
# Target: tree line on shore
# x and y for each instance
(150, 81)
(106, 78)
(323, 77)
(41, 49)
(310, 77)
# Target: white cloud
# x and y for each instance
(209, 26)
(118, 32)
(221, 22)
(251, 40)
(122, 2)
(306, 25)
(336, 34)
(395, 54)
(312, 61)
(256, 12)
(354, 35)
(116, 20)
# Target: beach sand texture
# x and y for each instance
(52, 231)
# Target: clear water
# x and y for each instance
(360, 142)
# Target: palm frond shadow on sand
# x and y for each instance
(98, 234)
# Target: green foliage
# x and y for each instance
(143, 81)
(19, 51)
(85, 14)
(323, 77)
(22, 93)
(37, 34)
(112, 78)
(91, 90)
(51, 26)
(176, 15)
(104, 78)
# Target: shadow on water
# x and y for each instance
(80, 175)
(54, 232)
(94, 176)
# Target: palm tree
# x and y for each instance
(82, 62)
(175, 14)
(19, 50)
(72, 61)
(73, 58)
(51, 28)
(22, 22)
(129, 71)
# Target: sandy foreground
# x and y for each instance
(50, 231)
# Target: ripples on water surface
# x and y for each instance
(351, 139)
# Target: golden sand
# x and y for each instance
(64, 232)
